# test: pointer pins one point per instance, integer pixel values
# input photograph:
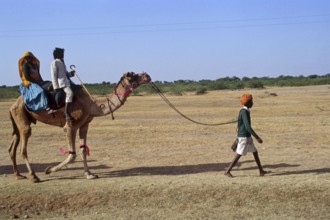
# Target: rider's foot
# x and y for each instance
(51, 111)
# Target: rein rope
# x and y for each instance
(119, 95)
(161, 94)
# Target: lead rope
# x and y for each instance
(161, 94)
(73, 68)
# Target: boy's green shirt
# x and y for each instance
(244, 124)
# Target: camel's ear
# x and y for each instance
(128, 74)
(125, 75)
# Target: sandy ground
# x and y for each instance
(154, 164)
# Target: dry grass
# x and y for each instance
(154, 164)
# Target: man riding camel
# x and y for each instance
(60, 80)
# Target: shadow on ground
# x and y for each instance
(185, 169)
(166, 170)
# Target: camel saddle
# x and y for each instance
(56, 99)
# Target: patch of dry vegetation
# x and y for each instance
(153, 164)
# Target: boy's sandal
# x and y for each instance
(229, 175)
(265, 172)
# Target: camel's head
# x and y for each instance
(129, 82)
(136, 79)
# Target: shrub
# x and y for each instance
(201, 91)
(256, 85)
(239, 86)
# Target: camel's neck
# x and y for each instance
(113, 101)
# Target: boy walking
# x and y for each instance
(244, 133)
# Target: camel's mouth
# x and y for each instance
(143, 78)
(146, 77)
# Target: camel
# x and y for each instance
(84, 109)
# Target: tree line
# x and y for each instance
(179, 87)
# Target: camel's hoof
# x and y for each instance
(35, 179)
(20, 177)
(48, 170)
(91, 176)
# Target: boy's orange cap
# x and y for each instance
(245, 98)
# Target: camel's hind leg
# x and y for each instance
(71, 138)
(12, 152)
(84, 148)
(21, 133)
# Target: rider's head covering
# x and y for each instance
(24, 59)
(58, 53)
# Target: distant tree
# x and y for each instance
(313, 76)
(235, 78)
(239, 86)
(256, 85)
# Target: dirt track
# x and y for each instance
(153, 164)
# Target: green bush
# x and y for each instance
(201, 91)
(9, 92)
(176, 91)
(256, 85)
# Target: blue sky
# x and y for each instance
(169, 39)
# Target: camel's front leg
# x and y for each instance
(71, 138)
(84, 149)
(21, 132)
(12, 152)
(24, 137)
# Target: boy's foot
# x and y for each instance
(228, 174)
(262, 173)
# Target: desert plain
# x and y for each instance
(154, 164)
